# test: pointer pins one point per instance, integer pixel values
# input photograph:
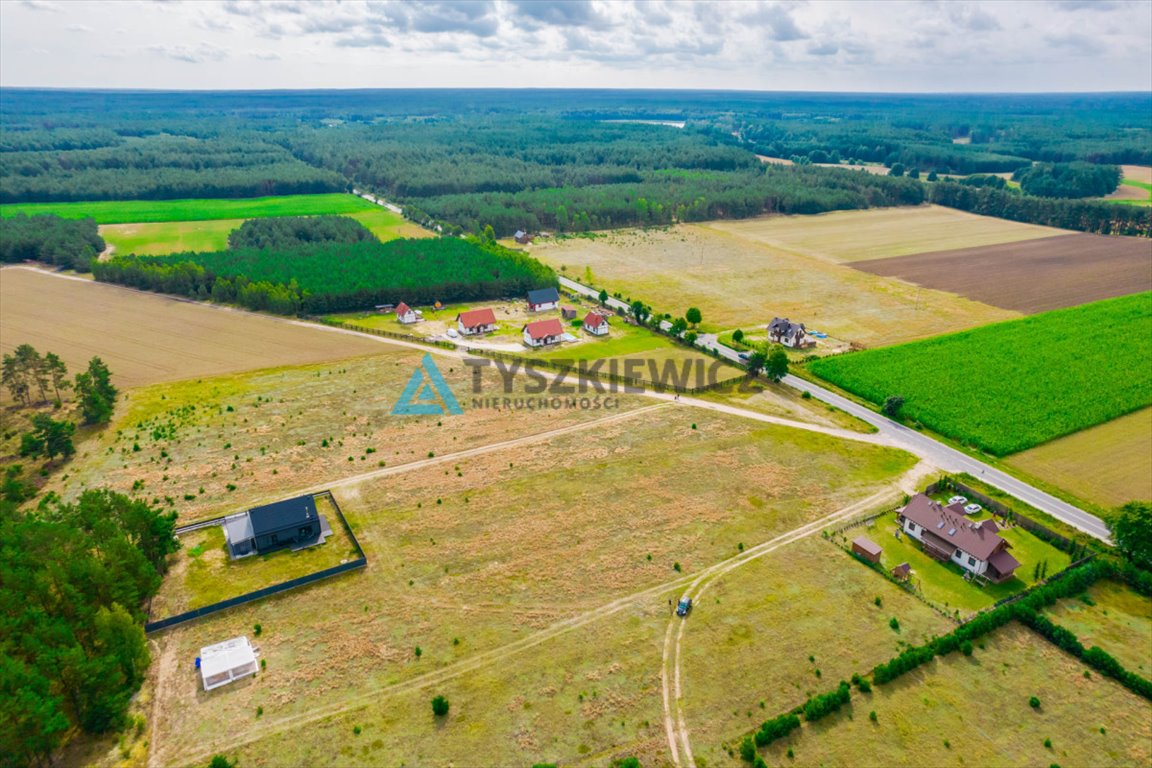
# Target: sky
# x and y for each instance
(785, 45)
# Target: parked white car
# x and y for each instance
(972, 509)
(958, 500)
(451, 333)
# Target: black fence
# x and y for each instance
(260, 594)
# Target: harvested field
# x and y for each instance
(1114, 617)
(1107, 465)
(847, 236)
(750, 640)
(1140, 173)
(146, 338)
(495, 552)
(979, 714)
(738, 282)
(1031, 276)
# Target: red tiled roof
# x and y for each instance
(540, 329)
(403, 309)
(594, 320)
(476, 317)
(950, 526)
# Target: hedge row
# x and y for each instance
(1027, 612)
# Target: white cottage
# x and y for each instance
(405, 314)
(596, 324)
(540, 333)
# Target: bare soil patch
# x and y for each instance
(1031, 276)
(146, 338)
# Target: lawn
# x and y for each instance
(148, 211)
(161, 238)
(202, 573)
(146, 338)
(943, 584)
(974, 711)
(497, 550)
(1107, 465)
(1115, 618)
(1008, 387)
(750, 638)
(739, 282)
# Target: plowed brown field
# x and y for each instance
(1033, 275)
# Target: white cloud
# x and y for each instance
(874, 45)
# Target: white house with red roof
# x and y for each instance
(476, 321)
(596, 324)
(406, 314)
(541, 333)
(947, 535)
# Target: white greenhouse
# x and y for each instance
(225, 662)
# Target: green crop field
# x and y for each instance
(143, 211)
(1010, 386)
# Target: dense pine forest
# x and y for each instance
(325, 264)
(573, 160)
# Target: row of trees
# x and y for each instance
(70, 243)
(73, 582)
(1084, 216)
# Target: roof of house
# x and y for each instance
(595, 320)
(949, 524)
(1003, 562)
(282, 514)
(785, 327)
(865, 544)
(238, 527)
(476, 317)
(519, 234)
(539, 329)
(403, 309)
(543, 296)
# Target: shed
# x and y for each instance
(902, 571)
(867, 549)
(226, 662)
(568, 313)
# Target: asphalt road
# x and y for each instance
(945, 457)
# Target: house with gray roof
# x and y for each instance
(783, 331)
(294, 523)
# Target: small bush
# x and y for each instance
(259, 711)
(966, 647)
(257, 629)
(894, 624)
(439, 706)
(676, 567)
(748, 749)
(1048, 743)
(419, 652)
(878, 601)
(872, 716)
(356, 730)
(1034, 703)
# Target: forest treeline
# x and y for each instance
(1068, 180)
(70, 243)
(316, 276)
(155, 168)
(74, 580)
(1081, 215)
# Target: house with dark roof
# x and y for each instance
(522, 237)
(476, 321)
(541, 333)
(783, 331)
(945, 534)
(542, 299)
(406, 314)
(595, 324)
(292, 523)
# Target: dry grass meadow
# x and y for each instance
(1107, 465)
(536, 583)
(973, 711)
(750, 639)
(739, 282)
(147, 338)
(1117, 619)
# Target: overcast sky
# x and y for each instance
(890, 45)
